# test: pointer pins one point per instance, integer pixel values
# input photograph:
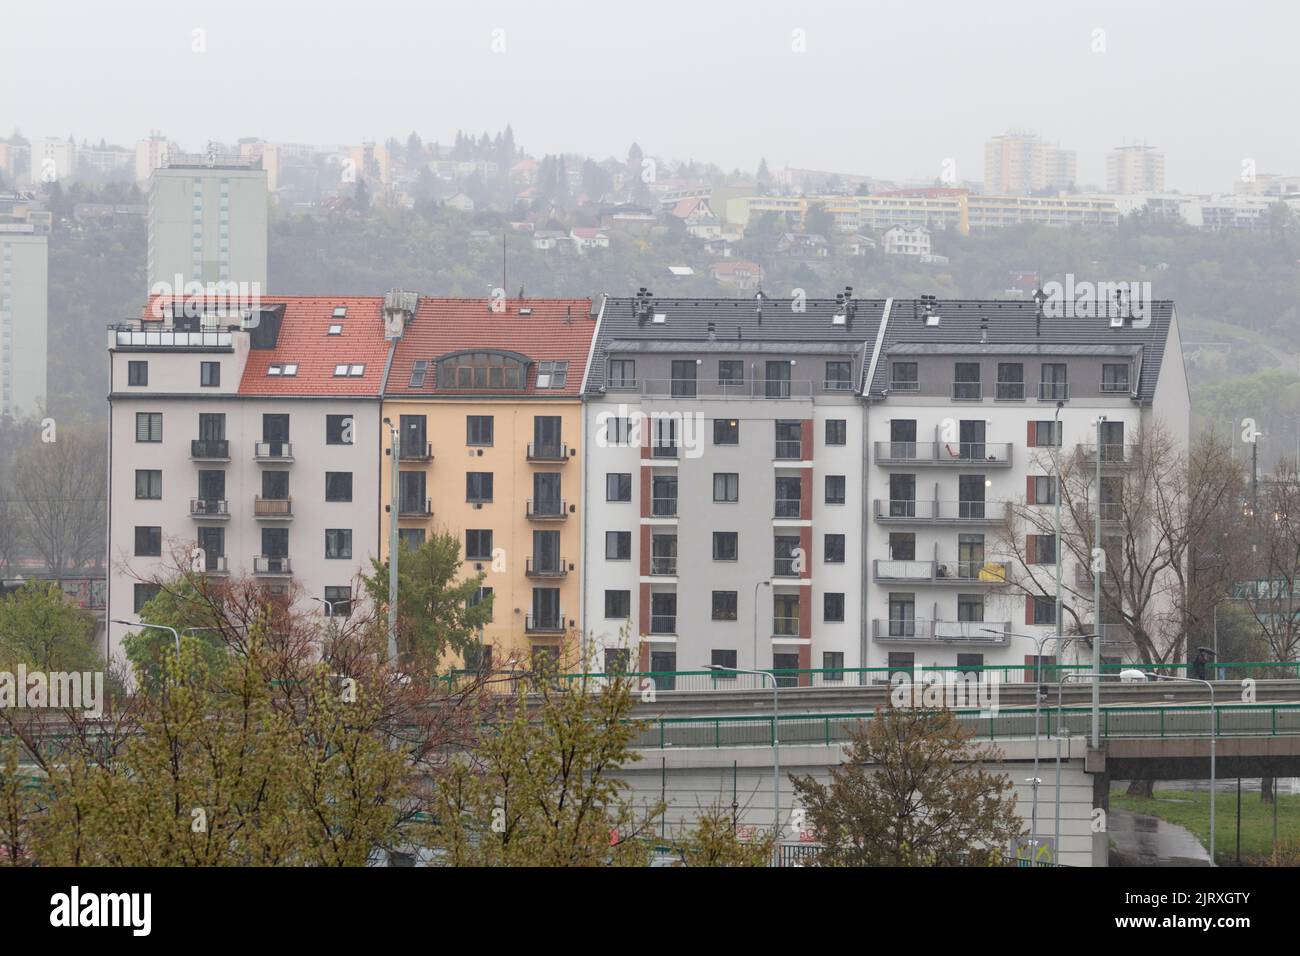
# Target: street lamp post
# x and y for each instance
(1214, 729)
(157, 627)
(757, 585)
(393, 444)
(776, 748)
(1096, 605)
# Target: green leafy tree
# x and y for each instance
(713, 841)
(912, 791)
(39, 627)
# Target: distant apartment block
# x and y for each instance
(1135, 169)
(1021, 163)
(24, 303)
(208, 222)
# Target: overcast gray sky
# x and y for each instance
(886, 89)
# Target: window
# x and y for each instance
(148, 541)
(833, 549)
(148, 426)
(148, 484)
(618, 431)
(618, 545)
(1040, 549)
(478, 544)
(478, 370)
(839, 376)
(1041, 490)
(617, 660)
(275, 485)
(725, 545)
(411, 493)
(282, 369)
(683, 380)
(723, 659)
(144, 593)
(338, 601)
(275, 428)
(335, 330)
(835, 489)
(832, 665)
(622, 373)
(724, 605)
(209, 374)
(787, 556)
(777, 383)
(726, 431)
(478, 429)
(349, 371)
(1114, 378)
(1011, 382)
(478, 486)
(731, 372)
(618, 604)
(902, 546)
(726, 486)
(966, 381)
(1053, 385)
(618, 486)
(482, 596)
(789, 443)
(1042, 610)
(338, 542)
(410, 537)
(419, 371)
(837, 431)
(1045, 434)
(970, 607)
(137, 373)
(833, 606)
(338, 486)
(903, 377)
(338, 430)
(552, 374)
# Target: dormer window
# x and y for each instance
(282, 369)
(552, 374)
(473, 370)
(349, 371)
(340, 312)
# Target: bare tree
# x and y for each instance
(59, 489)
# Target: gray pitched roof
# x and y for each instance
(738, 326)
(1011, 326)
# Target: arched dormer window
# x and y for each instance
(482, 370)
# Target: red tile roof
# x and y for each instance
(557, 329)
(304, 339)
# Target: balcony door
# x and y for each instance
(546, 493)
(902, 615)
(970, 494)
(546, 608)
(546, 436)
(902, 438)
(902, 496)
(776, 383)
(546, 551)
(971, 438)
(212, 487)
(412, 430)
(683, 383)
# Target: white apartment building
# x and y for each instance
(24, 302)
(1135, 169)
(254, 439)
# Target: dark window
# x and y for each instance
(901, 662)
(411, 537)
(777, 383)
(418, 372)
(546, 436)
(275, 428)
(338, 601)
(477, 598)
(788, 497)
(552, 374)
(970, 607)
(1011, 381)
(478, 429)
(209, 374)
(832, 665)
(213, 543)
(1044, 490)
(724, 605)
(839, 376)
(730, 372)
(789, 440)
(1045, 434)
(338, 430)
(833, 549)
(212, 427)
(478, 544)
(726, 486)
(622, 373)
(725, 547)
(148, 484)
(338, 486)
(617, 660)
(836, 431)
(618, 604)
(903, 377)
(726, 431)
(275, 542)
(148, 541)
(835, 489)
(412, 429)
(966, 381)
(478, 486)
(137, 373)
(618, 545)
(1114, 378)
(275, 485)
(723, 659)
(833, 606)
(338, 542)
(1044, 609)
(902, 546)
(683, 382)
(618, 486)
(144, 593)
(1053, 385)
(411, 493)
(148, 426)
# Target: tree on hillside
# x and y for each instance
(912, 791)
(59, 487)
(42, 629)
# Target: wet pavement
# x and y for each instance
(1142, 840)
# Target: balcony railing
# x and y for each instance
(545, 568)
(785, 568)
(546, 509)
(663, 451)
(1112, 388)
(132, 337)
(272, 507)
(990, 454)
(1010, 392)
(1112, 453)
(785, 627)
(215, 564)
(210, 449)
(962, 573)
(913, 630)
(789, 507)
(726, 388)
(663, 623)
(271, 564)
(909, 386)
(273, 451)
(415, 507)
(1111, 633)
(788, 449)
(415, 451)
(966, 391)
(940, 512)
(544, 624)
(663, 507)
(1110, 510)
(209, 508)
(1053, 391)
(663, 564)
(548, 451)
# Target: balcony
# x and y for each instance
(273, 451)
(967, 391)
(135, 335)
(1112, 512)
(1112, 634)
(663, 623)
(787, 627)
(209, 449)
(789, 508)
(663, 507)
(663, 565)
(546, 509)
(1053, 392)
(272, 565)
(415, 507)
(1115, 388)
(961, 454)
(728, 388)
(553, 452)
(907, 386)
(913, 631)
(1112, 454)
(273, 509)
(785, 568)
(961, 573)
(212, 509)
(415, 451)
(215, 564)
(544, 623)
(788, 449)
(545, 568)
(940, 512)
(1009, 392)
